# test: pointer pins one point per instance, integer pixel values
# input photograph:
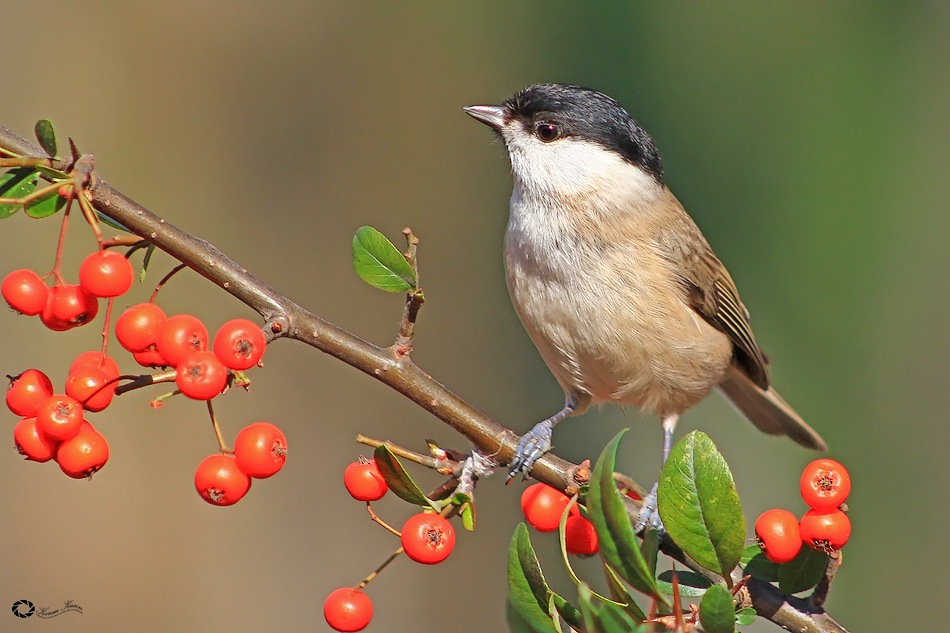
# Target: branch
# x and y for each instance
(286, 319)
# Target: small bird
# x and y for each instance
(614, 282)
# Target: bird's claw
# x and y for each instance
(649, 514)
(531, 447)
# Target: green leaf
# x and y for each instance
(398, 479)
(699, 505)
(16, 183)
(613, 619)
(745, 616)
(379, 263)
(750, 552)
(149, 251)
(691, 584)
(528, 592)
(52, 174)
(45, 206)
(466, 509)
(650, 548)
(716, 611)
(762, 568)
(802, 572)
(586, 606)
(618, 591)
(107, 220)
(46, 135)
(604, 617)
(618, 543)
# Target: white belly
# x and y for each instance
(612, 322)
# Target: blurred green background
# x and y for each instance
(809, 141)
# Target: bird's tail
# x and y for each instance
(767, 410)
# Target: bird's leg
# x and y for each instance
(649, 514)
(537, 441)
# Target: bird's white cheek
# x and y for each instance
(572, 167)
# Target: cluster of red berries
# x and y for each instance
(260, 450)
(825, 485)
(427, 538)
(104, 274)
(53, 426)
(543, 507)
(181, 341)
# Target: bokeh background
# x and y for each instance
(809, 141)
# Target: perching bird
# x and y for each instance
(612, 279)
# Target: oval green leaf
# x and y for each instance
(52, 174)
(762, 568)
(699, 505)
(802, 572)
(16, 183)
(466, 507)
(528, 592)
(46, 135)
(716, 611)
(111, 222)
(618, 543)
(745, 616)
(398, 479)
(618, 591)
(379, 263)
(650, 548)
(45, 206)
(691, 584)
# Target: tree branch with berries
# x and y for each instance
(592, 508)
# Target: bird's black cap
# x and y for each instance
(588, 114)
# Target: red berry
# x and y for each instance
(428, 538)
(59, 418)
(580, 537)
(200, 375)
(363, 481)
(90, 387)
(220, 482)
(543, 506)
(778, 535)
(348, 610)
(260, 450)
(84, 454)
(28, 392)
(825, 484)
(25, 292)
(136, 327)
(106, 274)
(97, 360)
(239, 344)
(150, 358)
(31, 443)
(68, 306)
(825, 531)
(179, 335)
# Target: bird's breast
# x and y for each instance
(607, 313)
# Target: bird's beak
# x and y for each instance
(491, 115)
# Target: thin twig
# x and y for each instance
(424, 460)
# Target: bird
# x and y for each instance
(613, 281)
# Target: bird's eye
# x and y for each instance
(547, 132)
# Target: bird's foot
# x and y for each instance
(649, 514)
(531, 447)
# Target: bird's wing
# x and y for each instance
(711, 291)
